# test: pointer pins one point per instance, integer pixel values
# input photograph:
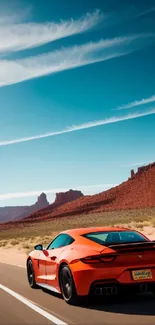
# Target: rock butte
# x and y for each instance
(19, 212)
(136, 193)
(8, 214)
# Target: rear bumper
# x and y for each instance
(88, 278)
(111, 288)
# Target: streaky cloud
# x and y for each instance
(21, 36)
(79, 127)
(14, 195)
(146, 12)
(137, 164)
(135, 103)
(12, 72)
(11, 15)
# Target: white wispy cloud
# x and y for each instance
(136, 164)
(10, 15)
(83, 126)
(135, 103)
(146, 12)
(16, 71)
(7, 19)
(15, 37)
(7, 196)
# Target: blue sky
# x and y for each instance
(77, 95)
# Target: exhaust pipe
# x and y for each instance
(111, 290)
(143, 287)
(98, 291)
(108, 291)
(104, 290)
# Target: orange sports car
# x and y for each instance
(94, 261)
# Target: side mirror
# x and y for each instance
(38, 247)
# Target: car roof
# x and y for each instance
(83, 231)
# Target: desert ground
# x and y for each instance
(16, 243)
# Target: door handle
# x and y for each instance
(53, 258)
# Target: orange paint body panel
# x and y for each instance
(112, 262)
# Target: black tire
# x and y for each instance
(31, 275)
(67, 286)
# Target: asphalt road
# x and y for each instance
(19, 304)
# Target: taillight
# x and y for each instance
(98, 259)
(107, 259)
(90, 260)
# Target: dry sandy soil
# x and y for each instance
(17, 256)
(13, 256)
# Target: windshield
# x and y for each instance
(115, 237)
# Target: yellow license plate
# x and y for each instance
(142, 274)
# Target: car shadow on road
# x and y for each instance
(53, 294)
(135, 305)
(143, 304)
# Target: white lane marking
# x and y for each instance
(31, 305)
(24, 267)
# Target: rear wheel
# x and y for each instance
(67, 286)
(31, 275)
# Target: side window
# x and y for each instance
(60, 241)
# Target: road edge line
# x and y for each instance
(31, 305)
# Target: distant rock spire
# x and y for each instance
(42, 201)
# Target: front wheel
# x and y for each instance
(31, 275)
(67, 286)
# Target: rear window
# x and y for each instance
(115, 237)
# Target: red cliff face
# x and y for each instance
(61, 199)
(136, 193)
(142, 170)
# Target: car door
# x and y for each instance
(41, 267)
(54, 251)
(39, 263)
